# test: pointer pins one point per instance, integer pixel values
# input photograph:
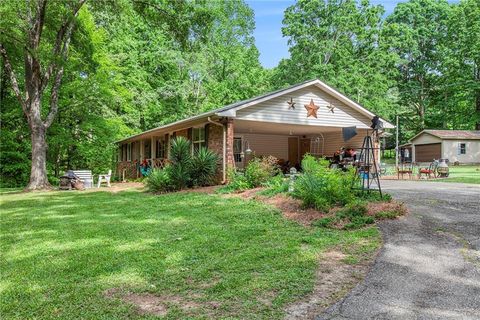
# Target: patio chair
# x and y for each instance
(105, 177)
(428, 172)
(405, 168)
(85, 176)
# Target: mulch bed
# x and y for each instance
(292, 208)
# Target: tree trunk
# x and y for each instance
(38, 174)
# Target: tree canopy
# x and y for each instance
(135, 64)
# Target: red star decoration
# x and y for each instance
(311, 109)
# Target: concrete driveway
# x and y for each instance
(429, 267)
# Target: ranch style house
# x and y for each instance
(309, 117)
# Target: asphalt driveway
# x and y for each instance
(429, 267)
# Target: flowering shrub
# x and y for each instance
(257, 173)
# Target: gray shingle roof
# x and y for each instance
(455, 134)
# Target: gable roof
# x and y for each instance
(452, 134)
(231, 109)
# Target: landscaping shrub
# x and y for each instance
(257, 173)
(183, 170)
(309, 188)
(204, 167)
(358, 222)
(352, 216)
(276, 184)
(321, 187)
(159, 180)
(180, 163)
(180, 151)
(324, 222)
(237, 181)
(387, 214)
(352, 210)
(374, 196)
(259, 170)
(180, 176)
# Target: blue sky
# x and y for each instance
(268, 32)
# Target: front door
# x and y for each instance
(293, 151)
(304, 146)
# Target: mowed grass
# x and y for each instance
(226, 257)
(465, 174)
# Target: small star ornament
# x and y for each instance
(311, 109)
(291, 104)
(331, 108)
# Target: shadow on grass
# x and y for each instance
(62, 250)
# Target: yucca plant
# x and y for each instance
(159, 180)
(180, 151)
(204, 167)
(181, 163)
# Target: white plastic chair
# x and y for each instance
(105, 177)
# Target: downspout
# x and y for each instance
(224, 158)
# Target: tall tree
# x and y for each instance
(415, 31)
(460, 72)
(338, 41)
(44, 37)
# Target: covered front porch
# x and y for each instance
(236, 142)
(288, 142)
(152, 151)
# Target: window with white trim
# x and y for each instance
(198, 138)
(462, 148)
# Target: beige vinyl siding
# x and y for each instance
(266, 144)
(277, 145)
(276, 110)
(426, 138)
(450, 151)
(334, 141)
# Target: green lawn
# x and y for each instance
(465, 174)
(228, 257)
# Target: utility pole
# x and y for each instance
(396, 143)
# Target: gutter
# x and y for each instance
(224, 158)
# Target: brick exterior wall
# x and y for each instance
(182, 133)
(215, 139)
(215, 144)
(230, 135)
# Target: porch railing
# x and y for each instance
(131, 169)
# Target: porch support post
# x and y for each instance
(142, 150)
(229, 143)
(153, 148)
(167, 144)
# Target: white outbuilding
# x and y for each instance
(462, 146)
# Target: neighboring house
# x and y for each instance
(455, 145)
(305, 118)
